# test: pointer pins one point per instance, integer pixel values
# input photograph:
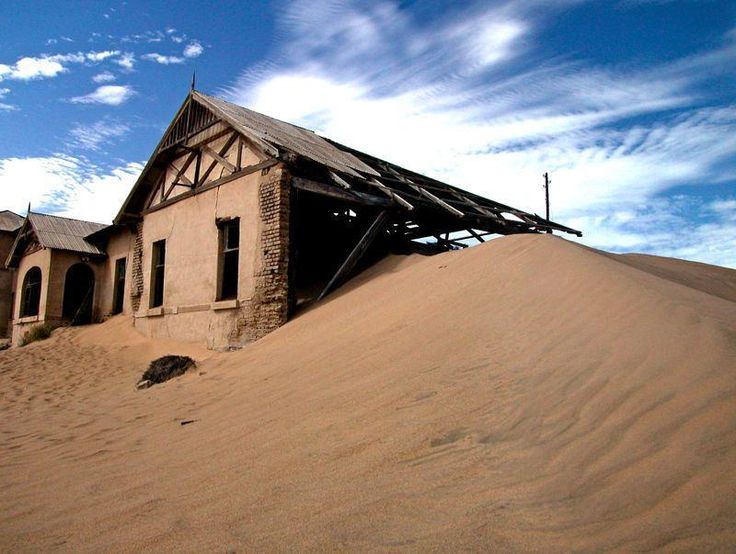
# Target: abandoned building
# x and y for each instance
(10, 223)
(236, 221)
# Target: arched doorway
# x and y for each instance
(79, 287)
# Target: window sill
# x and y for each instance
(155, 312)
(226, 304)
(27, 319)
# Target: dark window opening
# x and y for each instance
(229, 252)
(158, 262)
(31, 293)
(118, 291)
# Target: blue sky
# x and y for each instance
(629, 104)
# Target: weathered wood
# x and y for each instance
(212, 184)
(391, 194)
(340, 194)
(233, 168)
(224, 149)
(354, 257)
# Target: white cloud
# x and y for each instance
(193, 50)
(101, 56)
(26, 69)
(48, 66)
(104, 77)
(92, 137)
(112, 95)
(126, 61)
(165, 60)
(65, 186)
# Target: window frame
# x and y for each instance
(228, 259)
(118, 285)
(31, 293)
(158, 273)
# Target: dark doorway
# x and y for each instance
(79, 287)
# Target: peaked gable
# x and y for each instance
(56, 232)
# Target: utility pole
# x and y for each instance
(546, 196)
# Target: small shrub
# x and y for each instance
(37, 332)
(167, 367)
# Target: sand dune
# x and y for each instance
(529, 393)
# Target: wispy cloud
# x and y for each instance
(161, 59)
(65, 185)
(3, 106)
(126, 61)
(456, 101)
(193, 50)
(43, 67)
(112, 95)
(104, 77)
(92, 137)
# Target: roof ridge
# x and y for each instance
(210, 96)
(69, 218)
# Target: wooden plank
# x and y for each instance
(340, 181)
(357, 253)
(220, 158)
(340, 194)
(391, 194)
(224, 149)
(212, 184)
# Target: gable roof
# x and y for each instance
(64, 233)
(345, 172)
(271, 134)
(10, 221)
(56, 232)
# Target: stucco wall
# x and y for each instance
(119, 245)
(61, 261)
(7, 278)
(42, 259)
(191, 233)
(190, 311)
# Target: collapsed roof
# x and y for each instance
(424, 205)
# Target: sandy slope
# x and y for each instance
(528, 393)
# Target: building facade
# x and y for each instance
(237, 220)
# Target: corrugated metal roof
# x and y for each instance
(10, 221)
(64, 233)
(264, 129)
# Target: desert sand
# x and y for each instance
(526, 394)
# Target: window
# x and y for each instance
(227, 287)
(158, 261)
(118, 290)
(31, 293)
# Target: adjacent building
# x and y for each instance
(10, 223)
(237, 220)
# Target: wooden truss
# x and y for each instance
(226, 160)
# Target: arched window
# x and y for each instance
(31, 293)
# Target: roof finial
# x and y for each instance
(29, 209)
(194, 80)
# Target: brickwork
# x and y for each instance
(136, 276)
(268, 309)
